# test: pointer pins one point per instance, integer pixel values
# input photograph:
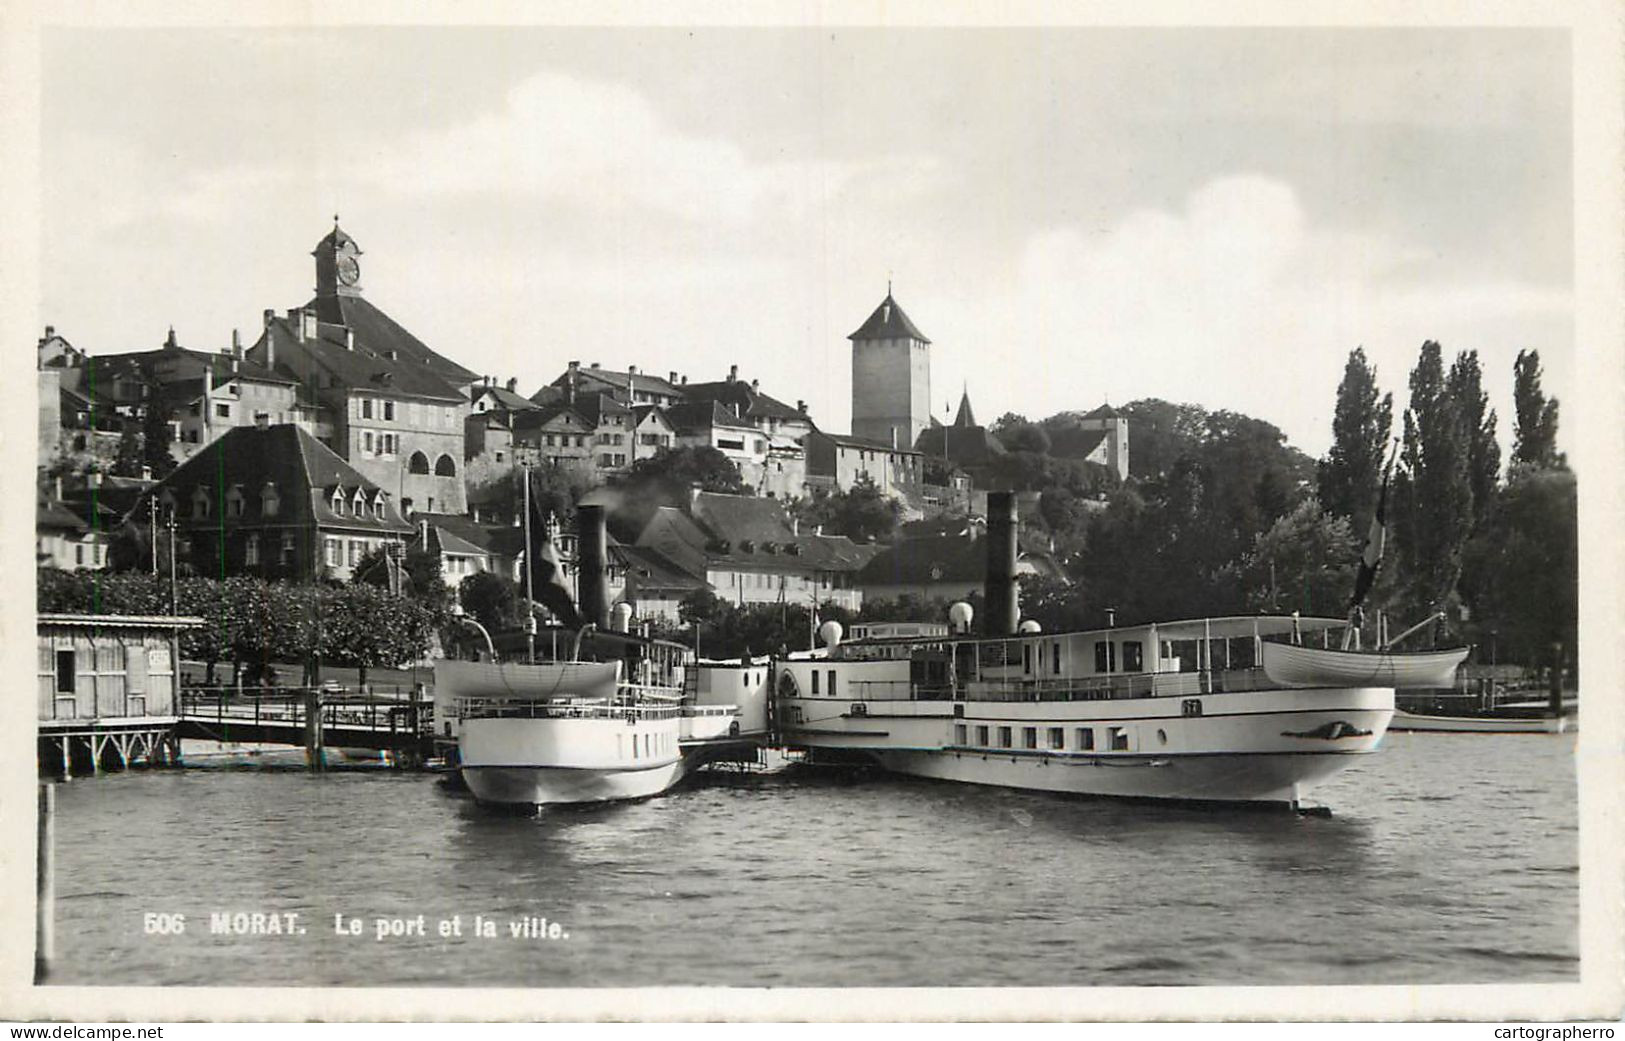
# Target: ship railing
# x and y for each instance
(481, 708)
(1132, 685)
(710, 710)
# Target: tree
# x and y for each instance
(1433, 493)
(1465, 387)
(1304, 562)
(861, 513)
(1350, 475)
(130, 456)
(1530, 599)
(156, 434)
(491, 600)
(1017, 434)
(1534, 439)
(1161, 432)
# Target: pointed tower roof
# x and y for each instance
(888, 323)
(336, 239)
(965, 418)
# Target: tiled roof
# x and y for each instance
(1074, 442)
(754, 533)
(364, 368)
(694, 416)
(54, 516)
(508, 399)
(183, 365)
(932, 558)
(375, 331)
(752, 403)
(618, 379)
(301, 467)
(888, 323)
(868, 444)
(462, 531)
(553, 417)
(650, 569)
(966, 446)
(593, 407)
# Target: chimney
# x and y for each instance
(596, 365)
(296, 320)
(262, 420)
(513, 384)
(755, 386)
(307, 325)
(733, 373)
(672, 379)
(685, 381)
(423, 532)
(801, 406)
(237, 344)
(570, 382)
(631, 370)
(631, 384)
(169, 341)
(146, 473)
(50, 331)
(592, 553)
(349, 338)
(894, 439)
(269, 316)
(1003, 608)
(58, 487)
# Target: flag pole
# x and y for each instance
(530, 603)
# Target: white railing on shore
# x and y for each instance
(479, 708)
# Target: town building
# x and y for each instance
(1098, 436)
(62, 538)
(275, 502)
(836, 462)
(891, 377)
(652, 432)
(630, 387)
(750, 551)
(561, 437)
(780, 470)
(391, 406)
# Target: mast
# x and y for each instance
(530, 561)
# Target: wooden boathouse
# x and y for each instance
(107, 690)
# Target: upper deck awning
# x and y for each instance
(1243, 625)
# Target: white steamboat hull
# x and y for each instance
(518, 761)
(1254, 747)
(553, 785)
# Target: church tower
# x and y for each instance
(891, 377)
(338, 272)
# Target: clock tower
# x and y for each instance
(338, 271)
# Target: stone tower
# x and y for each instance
(891, 377)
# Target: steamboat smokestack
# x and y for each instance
(592, 552)
(1003, 612)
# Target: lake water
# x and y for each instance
(1449, 859)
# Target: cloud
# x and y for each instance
(1234, 301)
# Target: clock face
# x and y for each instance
(349, 270)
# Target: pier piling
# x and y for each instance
(45, 885)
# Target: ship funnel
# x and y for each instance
(621, 616)
(592, 552)
(1003, 611)
(830, 633)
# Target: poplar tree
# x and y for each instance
(1534, 439)
(1465, 389)
(1349, 477)
(1432, 489)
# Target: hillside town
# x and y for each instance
(331, 437)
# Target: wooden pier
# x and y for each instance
(313, 718)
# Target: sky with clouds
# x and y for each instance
(1072, 215)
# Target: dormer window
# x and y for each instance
(200, 503)
(338, 501)
(270, 501)
(359, 503)
(234, 501)
(378, 506)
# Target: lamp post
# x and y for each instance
(174, 596)
(458, 613)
